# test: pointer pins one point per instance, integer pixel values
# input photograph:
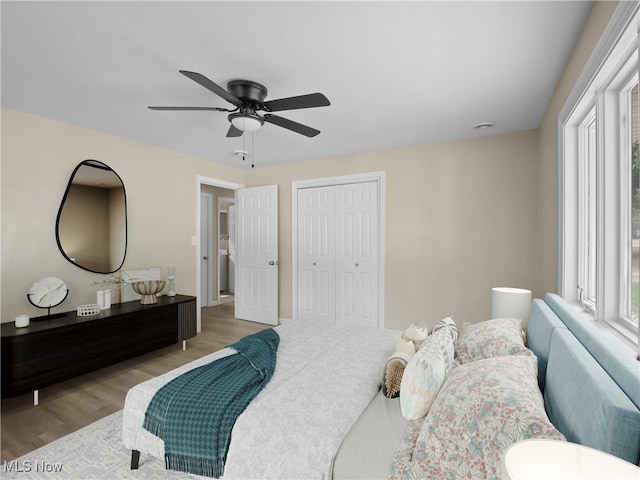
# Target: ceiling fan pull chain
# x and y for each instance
(244, 151)
(253, 152)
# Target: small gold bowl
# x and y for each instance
(148, 289)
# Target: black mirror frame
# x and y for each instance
(104, 166)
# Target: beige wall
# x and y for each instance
(460, 219)
(38, 157)
(459, 215)
(548, 144)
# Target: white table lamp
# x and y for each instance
(507, 302)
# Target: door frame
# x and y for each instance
(195, 239)
(208, 300)
(379, 178)
(221, 200)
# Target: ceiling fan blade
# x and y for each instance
(209, 85)
(215, 109)
(234, 132)
(301, 101)
(291, 125)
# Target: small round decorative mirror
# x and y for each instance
(48, 292)
(91, 228)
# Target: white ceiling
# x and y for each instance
(396, 73)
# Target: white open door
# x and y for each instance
(256, 296)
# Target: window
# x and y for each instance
(587, 192)
(631, 300)
(599, 131)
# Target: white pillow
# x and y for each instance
(426, 371)
(416, 334)
(406, 346)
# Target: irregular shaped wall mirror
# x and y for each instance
(91, 228)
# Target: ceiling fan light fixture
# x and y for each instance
(246, 122)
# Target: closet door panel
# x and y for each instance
(316, 254)
(357, 254)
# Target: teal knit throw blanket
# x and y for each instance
(195, 412)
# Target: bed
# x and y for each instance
(324, 379)
(324, 415)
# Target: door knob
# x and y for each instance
(273, 262)
(205, 258)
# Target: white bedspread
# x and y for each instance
(325, 377)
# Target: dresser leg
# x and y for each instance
(35, 397)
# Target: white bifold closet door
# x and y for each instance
(338, 252)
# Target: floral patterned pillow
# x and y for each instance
(492, 338)
(426, 371)
(482, 408)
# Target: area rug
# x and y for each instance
(93, 452)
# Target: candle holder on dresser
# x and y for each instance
(171, 276)
(22, 320)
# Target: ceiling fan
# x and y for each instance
(248, 98)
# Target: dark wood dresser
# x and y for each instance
(53, 350)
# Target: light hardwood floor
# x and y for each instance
(70, 405)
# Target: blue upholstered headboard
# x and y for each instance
(591, 390)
